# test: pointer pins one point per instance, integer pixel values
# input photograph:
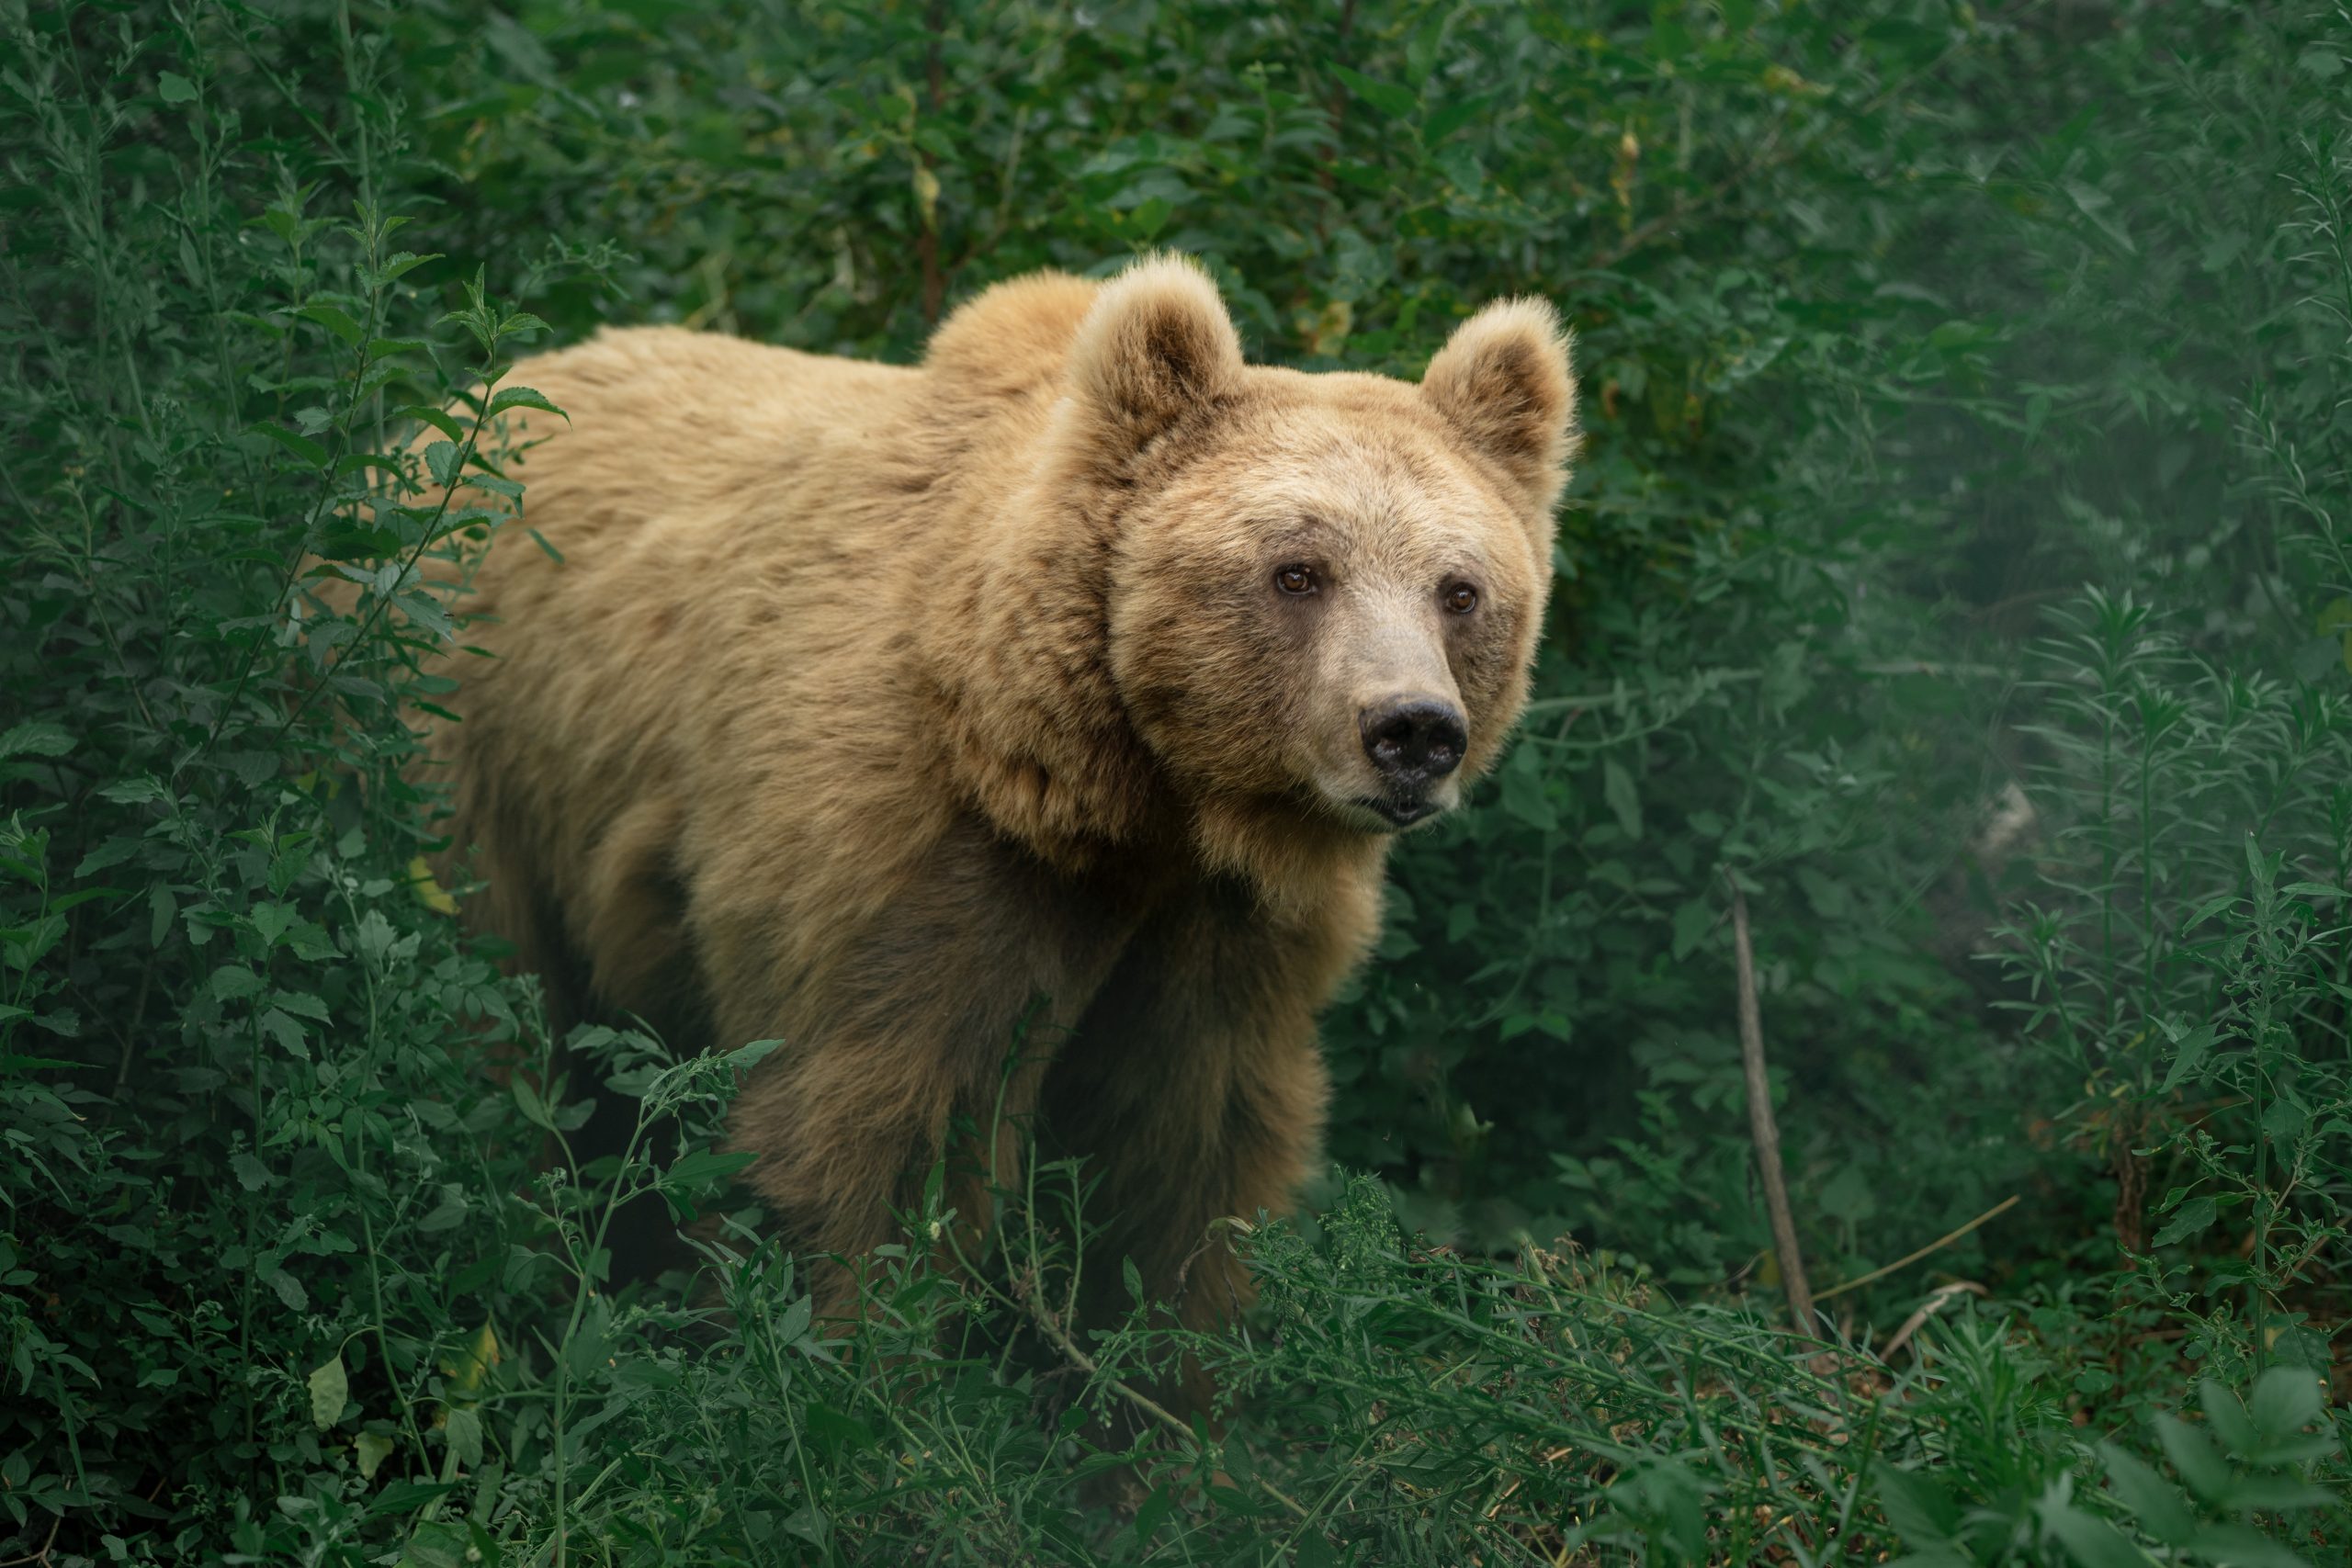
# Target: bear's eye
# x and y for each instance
(1461, 599)
(1296, 578)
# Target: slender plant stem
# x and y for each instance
(1761, 1127)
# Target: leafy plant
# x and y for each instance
(1957, 560)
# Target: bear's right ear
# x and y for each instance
(1156, 345)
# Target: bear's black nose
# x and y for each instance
(1413, 740)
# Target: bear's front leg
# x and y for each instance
(939, 1004)
(1194, 1087)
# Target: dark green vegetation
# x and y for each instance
(1960, 561)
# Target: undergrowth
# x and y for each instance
(1960, 564)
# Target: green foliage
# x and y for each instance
(1960, 561)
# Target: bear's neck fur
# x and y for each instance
(1035, 728)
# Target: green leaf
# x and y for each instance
(436, 1543)
(793, 1327)
(1693, 918)
(744, 1058)
(2207, 910)
(1922, 1513)
(2226, 1418)
(371, 1451)
(37, 739)
(302, 447)
(534, 1108)
(1153, 1514)
(176, 88)
(809, 1524)
(1396, 102)
(837, 1431)
(330, 1391)
(2286, 1400)
(437, 418)
(522, 398)
(2192, 1453)
(1420, 54)
(335, 319)
(233, 982)
(2275, 1493)
(403, 262)
(2238, 1546)
(463, 1431)
(1448, 119)
(2187, 1052)
(1617, 788)
(1524, 795)
(2090, 1542)
(281, 1027)
(289, 1291)
(2191, 1218)
(1149, 216)
(2158, 1507)
(705, 1169)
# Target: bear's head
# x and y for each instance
(1317, 595)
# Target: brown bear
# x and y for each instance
(1072, 681)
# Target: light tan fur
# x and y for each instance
(868, 705)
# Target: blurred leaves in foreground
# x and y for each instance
(1961, 558)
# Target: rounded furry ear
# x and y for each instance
(1504, 382)
(1156, 345)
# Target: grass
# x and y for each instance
(1960, 566)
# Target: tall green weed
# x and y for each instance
(1957, 562)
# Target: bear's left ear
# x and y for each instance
(1503, 381)
(1155, 345)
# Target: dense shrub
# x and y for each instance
(1960, 564)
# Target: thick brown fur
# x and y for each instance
(867, 705)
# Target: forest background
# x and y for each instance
(1959, 565)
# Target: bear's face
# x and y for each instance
(1326, 604)
(1324, 589)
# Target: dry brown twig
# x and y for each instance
(1762, 1129)
(41, 1557)
(1944, 1295)
(2003, 1207)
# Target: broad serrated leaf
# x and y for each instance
(404, 262)
(35, 740)
(507, 398)
(2190, 1219)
